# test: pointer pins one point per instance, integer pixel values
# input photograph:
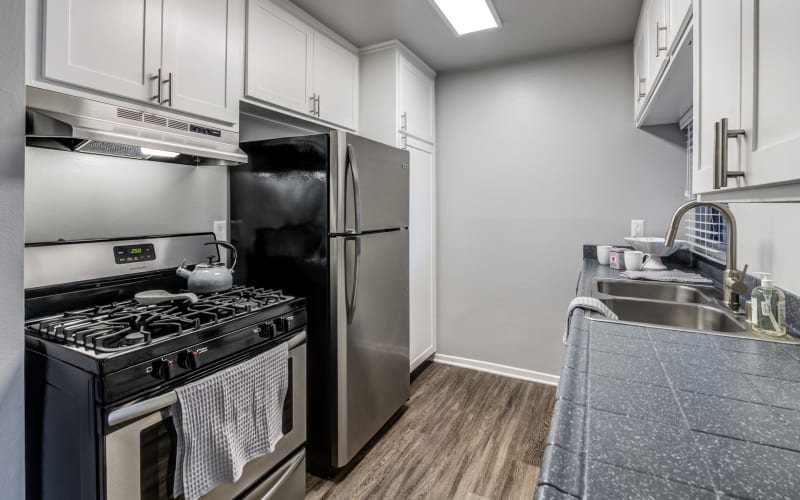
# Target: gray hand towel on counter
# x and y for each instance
(227, 419)
(589, 304)
(673, 276)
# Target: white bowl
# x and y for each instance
(655, 246)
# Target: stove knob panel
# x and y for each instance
(285, 324)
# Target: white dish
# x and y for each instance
(655, 248)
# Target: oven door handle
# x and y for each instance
(286, 471)
(152, 405)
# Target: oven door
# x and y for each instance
(140, 455)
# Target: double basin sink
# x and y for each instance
(674, 306)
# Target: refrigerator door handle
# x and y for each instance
(353, 164)
(351, 300)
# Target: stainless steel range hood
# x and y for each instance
(69, 123)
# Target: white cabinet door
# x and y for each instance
(657, 49)
(279, 57)
(717, 93)
(111, 46)
(421, 252)
(640, 70)
(770, 102)
(678, 12)
(416, 102)
(335, 82)
(196, 39)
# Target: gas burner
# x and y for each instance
(126, 325)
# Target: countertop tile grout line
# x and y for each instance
(704, 464)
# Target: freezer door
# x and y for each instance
(370, 322)
(371, 181)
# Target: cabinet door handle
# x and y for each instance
(157, 78)
(313, 110)
(724, 134)
(404, 121)
(659, 29)
(318, 105)
(641, 81)
(404, 140)
(168, 81)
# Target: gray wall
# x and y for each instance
(76, 195)
(769, 240)
(12, 156)
(535, 159)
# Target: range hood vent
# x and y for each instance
(69, 123)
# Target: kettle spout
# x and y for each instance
(182, 271)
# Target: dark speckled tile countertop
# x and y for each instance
(664, 414)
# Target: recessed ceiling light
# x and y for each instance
(159, 153)
(468, 16)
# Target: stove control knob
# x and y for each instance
(190, 360)
(165, 369)
(285, 324)
(269, 330)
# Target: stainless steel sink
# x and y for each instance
(673, 306)
(676, 315)
(656, 291)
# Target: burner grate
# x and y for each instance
(125, 325)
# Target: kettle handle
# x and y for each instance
(229, 247)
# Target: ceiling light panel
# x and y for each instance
(468, 16)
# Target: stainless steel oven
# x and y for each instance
(140, 447)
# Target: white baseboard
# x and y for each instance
(506, 371)
(422, 357)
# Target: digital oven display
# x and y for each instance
(134, 253)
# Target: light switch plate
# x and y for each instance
(637, 227)
(221, 229)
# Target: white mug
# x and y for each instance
(603, 254)
(634, 260)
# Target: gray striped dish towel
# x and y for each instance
(227, 419)
(589, 304)
(673, 276)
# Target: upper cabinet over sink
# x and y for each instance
(168, 53)
(747, 81)
(292, 65)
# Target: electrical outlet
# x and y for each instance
(221, 229)
(637, 227)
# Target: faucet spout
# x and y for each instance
(733, 282)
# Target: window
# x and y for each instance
(705, 230)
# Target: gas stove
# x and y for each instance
(127, 325)
(86, 316)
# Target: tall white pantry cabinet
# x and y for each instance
(398, 108)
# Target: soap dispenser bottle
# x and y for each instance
(768, 305)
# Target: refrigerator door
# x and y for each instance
(370, 182)
(369, 317)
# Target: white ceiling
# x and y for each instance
(530, 28)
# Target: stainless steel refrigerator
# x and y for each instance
(326, 217)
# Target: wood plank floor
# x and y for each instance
(465, 434)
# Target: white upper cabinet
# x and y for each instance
(335, 82)
(397, 93)
(118, 47)
(745, 79)
(717, 73)
(640, 62)
(770, 102)
(293, 66)
(112, 46)
(279, 57)
(197, 43)
(416, 102)
(658, 50)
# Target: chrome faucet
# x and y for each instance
(732, 280)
